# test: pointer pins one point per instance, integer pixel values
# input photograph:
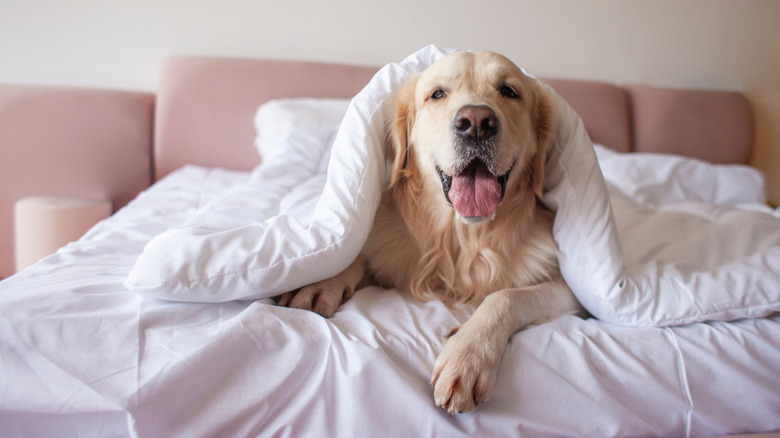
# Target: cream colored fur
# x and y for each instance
(505, 264)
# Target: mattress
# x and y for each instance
(81, 355)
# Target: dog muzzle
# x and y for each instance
(474, 192)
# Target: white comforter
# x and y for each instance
(80, 355)
(304, 217)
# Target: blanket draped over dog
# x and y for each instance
(306, 211)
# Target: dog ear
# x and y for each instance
(400, 129)
(543, 120)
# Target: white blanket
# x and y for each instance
(80, 356)
(627, 262)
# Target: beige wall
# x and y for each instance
(722, 44)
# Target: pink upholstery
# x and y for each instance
(205, 106)
(716, 126)
(81, 143)
(604, 109)
(44, 224)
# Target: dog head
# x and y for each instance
(475, 125)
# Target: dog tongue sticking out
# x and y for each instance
(475, 192)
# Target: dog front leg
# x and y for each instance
(465, 372)
(326, 296)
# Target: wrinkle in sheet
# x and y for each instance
(683, 380)
(71, 363)
(596, 373)
(737, 361)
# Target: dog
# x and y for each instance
(460, 220)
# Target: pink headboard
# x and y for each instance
(716, 126)
(205, 106)
(605, 109)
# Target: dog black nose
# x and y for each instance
(476, 122)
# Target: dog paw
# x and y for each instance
(323, 297)
(465, 372)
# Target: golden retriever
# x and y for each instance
(459, 220)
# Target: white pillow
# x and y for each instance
(310, 122)
(655, 179)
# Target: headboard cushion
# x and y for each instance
(205, 106)
(715, 126)
(604, 109)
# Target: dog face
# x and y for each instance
(476, 126)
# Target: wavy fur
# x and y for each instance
(418, 244)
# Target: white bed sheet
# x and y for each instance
(82, 356)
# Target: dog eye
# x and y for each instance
(507, 91)
(438, 94)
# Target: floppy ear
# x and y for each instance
(543, 120)
(400, 129)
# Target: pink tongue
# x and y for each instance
(475, 192)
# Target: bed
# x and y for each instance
(95, 340)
